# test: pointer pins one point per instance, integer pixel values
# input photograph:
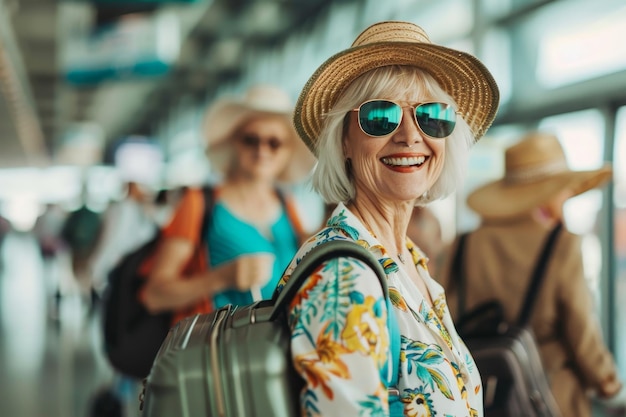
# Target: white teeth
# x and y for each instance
(404, 161)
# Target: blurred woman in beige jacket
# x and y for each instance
(517, 213)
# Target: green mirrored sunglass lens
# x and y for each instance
(379, 118)
(436, 119)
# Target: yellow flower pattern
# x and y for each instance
(318, 366)
(363, 331)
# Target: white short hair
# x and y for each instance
(330, 178)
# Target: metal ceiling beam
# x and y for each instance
(16, 93)
(594, 93)
(133, 97)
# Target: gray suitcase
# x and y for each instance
(237, 362)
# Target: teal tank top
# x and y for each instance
(230, 237)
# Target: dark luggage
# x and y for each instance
(507, 356)
(106, 404)
(132, 335)
(237, 362)
(514, 383)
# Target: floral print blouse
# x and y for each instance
(340, 340)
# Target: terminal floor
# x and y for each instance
(51, 360)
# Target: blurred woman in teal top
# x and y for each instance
(253, 231)
(226, 244)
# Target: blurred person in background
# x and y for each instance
(518, 212)
(81, 232)
(165, 202)
(391, 120)
(5, 228)
(127, 224)
(47, 231)
(254, 229)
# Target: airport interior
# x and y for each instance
(96, 92)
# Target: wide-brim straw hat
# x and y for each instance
(535, 170)
(227, 114)
(390, 43)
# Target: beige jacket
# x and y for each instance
(498, 264)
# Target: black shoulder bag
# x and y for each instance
(132, 335)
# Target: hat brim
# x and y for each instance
(499, 199)
(226, 116)
(460, 74)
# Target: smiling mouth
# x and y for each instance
(413, 161)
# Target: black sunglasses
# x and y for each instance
(253, 141)
(382, 117)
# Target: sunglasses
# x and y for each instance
(253, 141)
(382, 117)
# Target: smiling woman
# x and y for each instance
(393, 131)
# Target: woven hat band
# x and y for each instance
(525, 175)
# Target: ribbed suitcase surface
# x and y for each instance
(208, 362)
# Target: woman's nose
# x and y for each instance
(408, 131)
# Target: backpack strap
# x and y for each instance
(292, 216)
(458, 275)
(209, 202)
(537, 277)
(336, 249)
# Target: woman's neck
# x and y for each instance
(388, 224)
(253, 201)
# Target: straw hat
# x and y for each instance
(389, 43)
(535, 170)
(227, 114)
